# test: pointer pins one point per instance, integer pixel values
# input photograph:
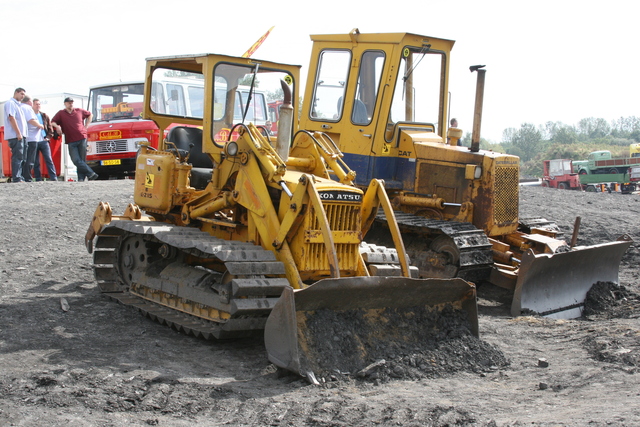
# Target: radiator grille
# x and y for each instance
(318, 261)
(112, 146)
(341, 217)
(506, 195)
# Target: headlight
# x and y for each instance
(231, 149)
(473, 172)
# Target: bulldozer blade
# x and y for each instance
(342, 324)
(556, 285)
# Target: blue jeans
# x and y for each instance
(78, 154)
(17, 158)
(44, 148)
(29, 159)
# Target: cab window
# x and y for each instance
(330, 85)
(372, 63)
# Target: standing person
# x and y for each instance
(73, 123)
(454, 124)
(15, 132)
(34, 135)
(43, 145)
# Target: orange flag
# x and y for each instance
(257, 44)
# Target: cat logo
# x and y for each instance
(148, 181)
(404, 153)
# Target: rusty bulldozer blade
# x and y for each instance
(556, 285)
(343, 324)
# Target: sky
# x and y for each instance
(560, 61)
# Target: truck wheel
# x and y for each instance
(563, 186)
(583, 172)
(545, 183)
(590, 188)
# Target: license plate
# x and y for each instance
(110, 162)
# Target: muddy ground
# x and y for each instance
(71, 357)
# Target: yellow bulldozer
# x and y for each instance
(383, 99)
(236, 232)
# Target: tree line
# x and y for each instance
(556, 140)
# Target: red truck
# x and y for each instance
(117, 129)
(558, 173)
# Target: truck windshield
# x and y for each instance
(116, 102)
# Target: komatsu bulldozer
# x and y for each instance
(235, 232)
(384, 100)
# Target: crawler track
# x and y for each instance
(187, 279)
(445, 248)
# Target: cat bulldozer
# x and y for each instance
(235, 232)
(383, 99)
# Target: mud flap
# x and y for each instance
(556, 285)
(338, 324)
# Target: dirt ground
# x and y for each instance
(71, 357)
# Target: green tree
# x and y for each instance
(591, 128)
(525, 142)
(276, 95)
(558, 132)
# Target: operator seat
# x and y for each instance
(188, 140)
(359, 116)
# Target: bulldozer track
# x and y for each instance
(527, 224)
(475, 257)
(186, 296)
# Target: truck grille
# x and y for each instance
(112, 146)
(506, 195)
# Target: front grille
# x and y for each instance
(112, 146)
(318, 261)
(342, 218)
(506, 195)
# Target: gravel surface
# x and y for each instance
(71, 357)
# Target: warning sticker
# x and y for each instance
(148, 181)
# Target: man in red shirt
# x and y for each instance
(73, 123)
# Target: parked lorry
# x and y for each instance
(558, 173)
(602, 172)
(601, 162)
(383, 99)
(235, 233)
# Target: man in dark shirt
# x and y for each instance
(73, 123)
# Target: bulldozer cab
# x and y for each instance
(209, 94)
(383, 85)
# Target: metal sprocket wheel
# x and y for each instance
(135, 253)
(449, 251)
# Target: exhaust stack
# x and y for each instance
(477, 112)
(285, 121)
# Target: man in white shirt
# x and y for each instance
(43, 146)
(34, 135)
(15, 132)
